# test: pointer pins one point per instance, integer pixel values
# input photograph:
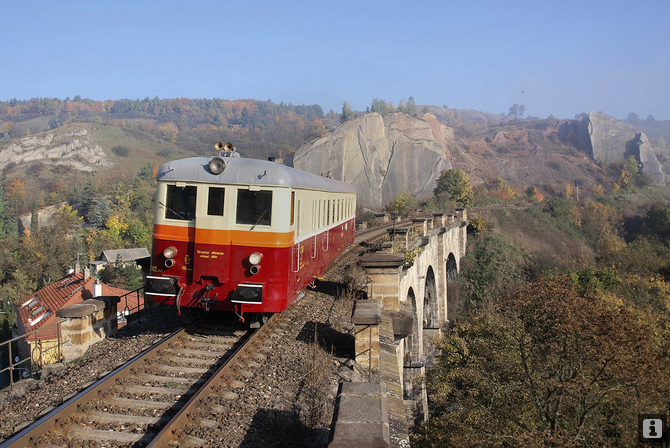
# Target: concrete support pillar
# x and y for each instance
(366, 319)
(463, 234)
(462, 214)
(86, 323)
(400, 237)
(384, 216)
(383, 270)
(421, 225)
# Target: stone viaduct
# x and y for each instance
(405, 309)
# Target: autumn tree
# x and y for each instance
(562, 208)
(8, 226)
(546, 366)
(382, 107)
(347, 113)
(533, 194)
(657, 221)
(401, 205)
(516, 111)
(408, 107)
(45, 254)
(15, 195)
(492, 264)
(122, 275)
(456, 184)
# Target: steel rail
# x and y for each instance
(28, 435)
(168, 433)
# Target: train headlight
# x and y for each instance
(217, 165)
(170, 252)
(255, 258)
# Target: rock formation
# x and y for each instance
(382, 156)
(71, 148)
(607, 140)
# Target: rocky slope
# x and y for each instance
(606, 140)
(382, 156)
(73, 148)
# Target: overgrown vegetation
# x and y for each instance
(92, 220)
(456, 185)
(563, 330)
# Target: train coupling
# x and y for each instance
(206, 300)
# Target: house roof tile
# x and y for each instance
(126, 254)
(39, 309)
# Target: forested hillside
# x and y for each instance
(262, 127)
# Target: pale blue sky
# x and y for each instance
(560, 58)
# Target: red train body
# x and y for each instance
(244, 235)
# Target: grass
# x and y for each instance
(552, 243)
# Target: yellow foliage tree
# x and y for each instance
(169, 131)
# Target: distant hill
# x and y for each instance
(386, 155)
(57, 144)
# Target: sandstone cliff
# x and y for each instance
(72, 148)
(382, 156)
(606, 140)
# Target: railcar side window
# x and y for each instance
(254, 207)
(215, 201)
(328, 213)
(180, 202)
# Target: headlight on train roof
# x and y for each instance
(170, 252)
(255, 258)
(217, 165)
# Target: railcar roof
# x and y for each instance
(244, 171)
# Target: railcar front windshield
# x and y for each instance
(215, 201)
(180, 202)
(254, 207)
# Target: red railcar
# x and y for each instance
(244, 235)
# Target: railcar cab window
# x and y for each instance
(254, 207)
(215, 201)
(180, 202)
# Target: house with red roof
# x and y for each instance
(36, 315)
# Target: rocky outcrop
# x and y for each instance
(607, 140)
(44, 217)
(72, 148)
(382, 156)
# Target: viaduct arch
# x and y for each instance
(410, 296)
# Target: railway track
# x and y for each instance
(146, 396)
(173, 394)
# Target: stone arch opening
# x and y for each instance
(412, 365)
(452, 267)
(430, 305)
(454, 305)
(412, 353)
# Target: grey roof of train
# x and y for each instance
(244, 171)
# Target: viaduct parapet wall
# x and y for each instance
(405, 310)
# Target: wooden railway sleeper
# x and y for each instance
(188, 440)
